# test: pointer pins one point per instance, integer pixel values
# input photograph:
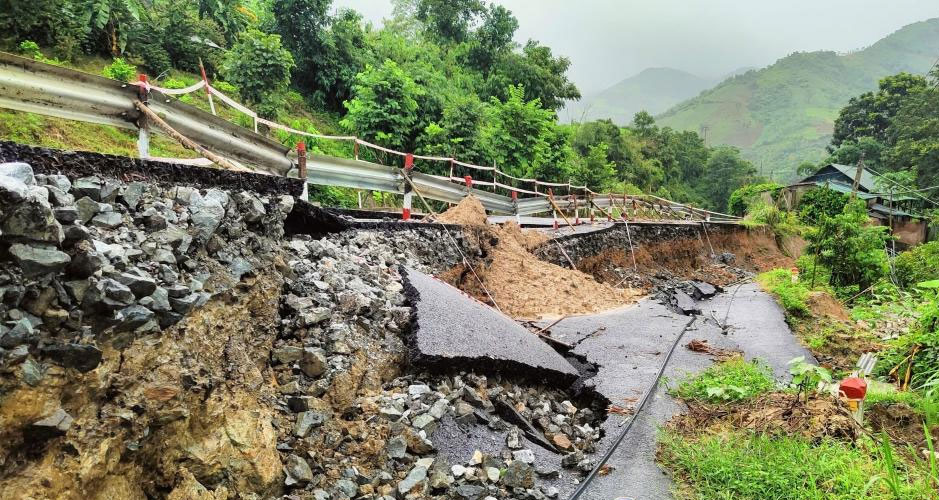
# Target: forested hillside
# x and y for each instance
(784, 114)
(441, 77)
(654, 90)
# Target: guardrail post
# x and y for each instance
(143, 124)
(408, 192)
(301, 167)
(207, 91)
(573, 199)
(515, 206)
(469, 183)
(554, 213)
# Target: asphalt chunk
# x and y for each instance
(451, 330)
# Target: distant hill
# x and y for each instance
(784, 114)
(654, 90)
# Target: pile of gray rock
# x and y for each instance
(93, 255)
(343, 316)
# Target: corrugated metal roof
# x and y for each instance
(867, 181)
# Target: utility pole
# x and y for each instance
(857, 176)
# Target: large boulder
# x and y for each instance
(37, 260)
(31, 218)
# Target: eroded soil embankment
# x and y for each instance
(507, 274)
(684, 254)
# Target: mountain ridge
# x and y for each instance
(652, 89)
(783, 114)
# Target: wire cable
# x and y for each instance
(645, 398)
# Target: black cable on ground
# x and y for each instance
(645, 398)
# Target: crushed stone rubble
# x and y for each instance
(346, 296)
(114, 331)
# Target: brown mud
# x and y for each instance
(520, 284)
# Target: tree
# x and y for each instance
(112, 18)
(869, 114)
(493, 40)
(850, 247)
(725, 172)
(515, 130)
(595, 171)
(259, 66)
(449, 21)
(806, 169)
(914, 137)
(329, 51)
(644, 124)
(230, 15)
(543, 76)
(820, 203)
(384, 107)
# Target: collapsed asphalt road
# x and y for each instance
(629, 345)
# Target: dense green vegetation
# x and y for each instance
(785, 114)
(440, 78)
(731, 380)
(741, 465)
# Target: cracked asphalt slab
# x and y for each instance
(629, 345)
(626, 347)
(451, 329)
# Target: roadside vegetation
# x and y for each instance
(847, 294)
(439, 78)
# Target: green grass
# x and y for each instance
(731, 380)
(791, 295)
(744, 466)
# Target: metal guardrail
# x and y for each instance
(35, 87)
(32, 86)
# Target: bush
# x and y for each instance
(30, 49)
(732, 380)
(259, 66)
(744, 196)
(921, 263)
(791, 295)
(851, 248)
(916, 353)
(821, 202)
(120, 70)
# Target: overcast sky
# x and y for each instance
(608, 40)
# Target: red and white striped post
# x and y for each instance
(208, 91)
(408, 192)
(515, 206)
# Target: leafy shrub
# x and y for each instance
(155, 58)
(851, 248)
(791, 295)
(226, 88)
(120, 70)
(30, 48)
(732, 380)
(821, 202)
(744, 196)
(259, 66)
(780, 222)
(921, 263)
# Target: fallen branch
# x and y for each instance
(185, 141)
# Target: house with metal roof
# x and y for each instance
(885, 208)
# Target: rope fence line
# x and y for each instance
(583, 193)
